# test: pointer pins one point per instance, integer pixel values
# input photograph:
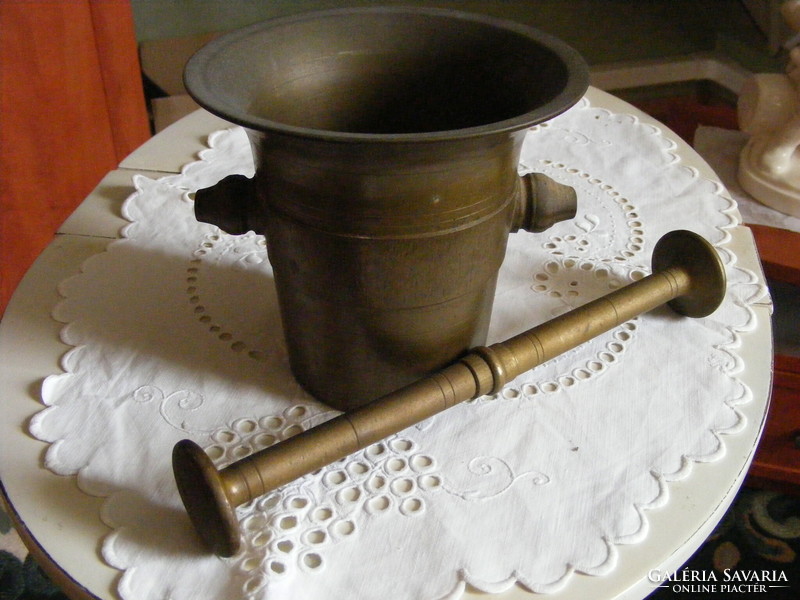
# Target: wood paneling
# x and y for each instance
(71, 107)
(777, 460)
(779, 250)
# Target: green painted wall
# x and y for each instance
(602, 30)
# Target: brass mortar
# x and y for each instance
(386, 144)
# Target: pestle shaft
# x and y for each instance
(483, 371)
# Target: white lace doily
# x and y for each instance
(176, 334)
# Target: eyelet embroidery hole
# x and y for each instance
(376, 450)
(292, 430)
(322, 514)
(595, 366)
(250, 564)
(215, 452)
(349, 495)
(412, 506)
(312, 561)
(277, 567)
(342, 528)
(379, 504)
(376, 483)
(254, 584)
(255, 523)
(402, 487)
(269, 502)
(315, 537)
(271, 422)
(194, 291)
(265, 440)
(334, 478)
(358, 468)
(245, 426)
(429, 482)
(395, 465)
(296, 412)
(224, 437)
(401, 445)
(241, 451)
(296, 502)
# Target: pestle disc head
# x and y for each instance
(693, 253)
(203, 495)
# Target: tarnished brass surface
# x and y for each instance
(386, 144)
(687, 274)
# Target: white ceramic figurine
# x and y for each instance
(769, 110)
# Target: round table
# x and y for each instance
(61, 525)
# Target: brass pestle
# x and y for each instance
(687, 274)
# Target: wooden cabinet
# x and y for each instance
(71, 107)
(777, 459)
